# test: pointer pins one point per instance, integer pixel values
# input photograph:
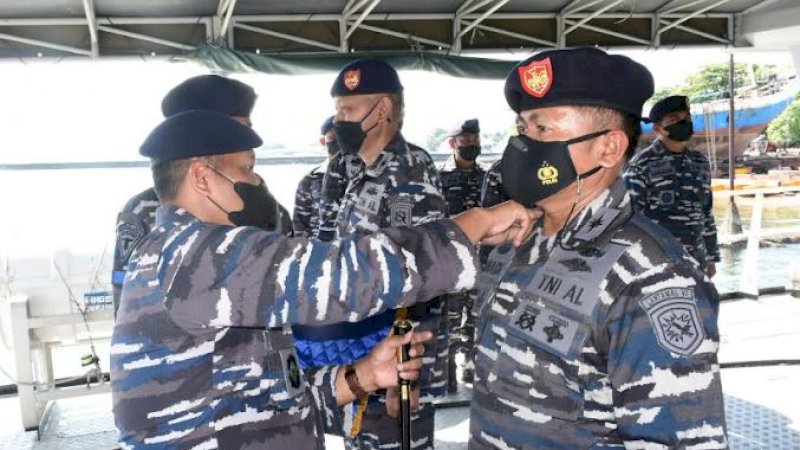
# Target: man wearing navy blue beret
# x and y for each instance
(462, 178)
(202, 355)
(376, 181)
(305, 217)
(206, 92)
(599, 332)
(671, 183)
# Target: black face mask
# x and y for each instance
(468, 152)
(349, 135)
(534, 170)
(260, 207)
(333, 147)
(680, 131)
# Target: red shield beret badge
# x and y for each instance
(351, 79)
(537, 77)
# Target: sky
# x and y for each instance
(83, 110)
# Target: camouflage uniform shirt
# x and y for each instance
(201, 354)
(461, 188)
(608, 341)
(305, 218)
(135, 220)
(674, 190)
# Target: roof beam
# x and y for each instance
(146, 38)
(758, 6)
(475, 7)
(91, 21)
(44, 44)
(288, 37)
(224, 14)
(628, 37)
(361, 18)
(592, 16)
(406, 36)
(670, 7)
(702, 34)
(573, 7)
(520, 36)
(483, 17)
(692, 15)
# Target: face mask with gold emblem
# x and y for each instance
(533, 170)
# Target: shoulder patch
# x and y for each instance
(129, 234)
(675, 319)
(400, 211)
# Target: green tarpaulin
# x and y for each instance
(226, 60)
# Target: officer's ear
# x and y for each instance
(385, 109)
(451, 141)
(198, 175)
(613, 146)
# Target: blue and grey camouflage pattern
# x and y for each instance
(609, 341)
(401, 188)
(674, 190)
(305, 217)
(492, 192)
(134, 221)
(462, 191)
(202, 356)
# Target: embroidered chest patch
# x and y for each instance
(675, 319)
(370, 199)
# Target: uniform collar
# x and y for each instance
(394, 149)
(597, 222)
(660, 148)
(168, 216)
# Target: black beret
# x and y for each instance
(326, 126)
(211, 92)
(366, 76)
(675, 103)
(584, 76)
(467, 126)
(198, 133)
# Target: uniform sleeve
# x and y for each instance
(709, 225)
(323, 391)
(303, 208)
(242, 276)
(130, 231)
(636, 182)
(662, 362)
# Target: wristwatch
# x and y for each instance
(351, 377)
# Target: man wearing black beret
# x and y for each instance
(305, 217)
(599, 331)
(394, 184)
(202, 355)
(206, 92)
(671, 184)
(462, 178)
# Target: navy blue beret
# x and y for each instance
(211, 92)
(582, 76)
(198, 133)
(467, 126)
(326, 126)
(366, 76)
(675, 103)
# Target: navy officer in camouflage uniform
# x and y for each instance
(599, 332)
(462, 178)
(137, 217)
(671, 183)
(305, 217)
(378, 180)
(201, 354)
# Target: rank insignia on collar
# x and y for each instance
(351, 79)
(537, 77)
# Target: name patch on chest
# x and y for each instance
(370, 199)
(662, 168)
